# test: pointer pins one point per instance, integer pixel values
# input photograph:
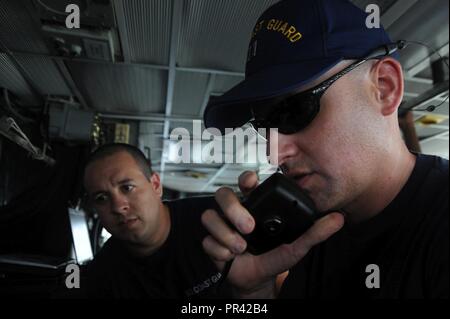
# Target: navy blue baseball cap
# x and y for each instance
(293, 43)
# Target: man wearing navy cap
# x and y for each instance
(329, 88)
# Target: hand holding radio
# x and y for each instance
(257, 260)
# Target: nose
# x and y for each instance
(119, 204)
(281, 147)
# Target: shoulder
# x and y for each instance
(441, 164)
(109, 255)
(433, 185)
(437, 252)
(437, 167)
(435, 224)
(193, 205)
(436, 184)
(102, 270)
(431, 194)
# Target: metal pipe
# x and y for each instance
(158, 117)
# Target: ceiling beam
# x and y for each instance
(425, 97)
(440, 136)
(425, 63)
(154, 117)
(396, 11)
(211, 71)
(209, 88)
(418, 80)
(175, 32)
(85, 60)
(62, 68)
(123, 30)
(133, 64)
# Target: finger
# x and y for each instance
(222, 233)
(319, 232)
(218, 253)
(234, 211)
(280, 280)
(247, 182)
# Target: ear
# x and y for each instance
(156, 184)
(387, 76)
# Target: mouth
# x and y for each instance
(129, 222)
(302, 179)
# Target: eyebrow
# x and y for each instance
(121, 182)
(124, 181)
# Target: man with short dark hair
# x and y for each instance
(332, 94)
(155, 250)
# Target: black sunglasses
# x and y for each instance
(293, 113)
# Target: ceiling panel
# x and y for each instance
(215, 34)
(189, 126)
(150, 134)
(44, 74)
(427, 22)
(223, 83)
(428, 131)
(11, 79)
(189, 94)
(19, 30)
(146, 29)
(437, 147)
(417, 87)
(121, 88)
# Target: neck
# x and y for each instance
(392, 174)
(157, 239)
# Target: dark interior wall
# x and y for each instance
(35, 197)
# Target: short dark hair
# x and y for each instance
(110, 149)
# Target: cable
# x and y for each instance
(8, 126)
(11, 109)
(428, 47)
(430, 108)
(50, 9)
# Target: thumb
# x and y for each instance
(248, 181)
(286, 256)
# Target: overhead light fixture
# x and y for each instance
(431, 119)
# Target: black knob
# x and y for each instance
(273, 225)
